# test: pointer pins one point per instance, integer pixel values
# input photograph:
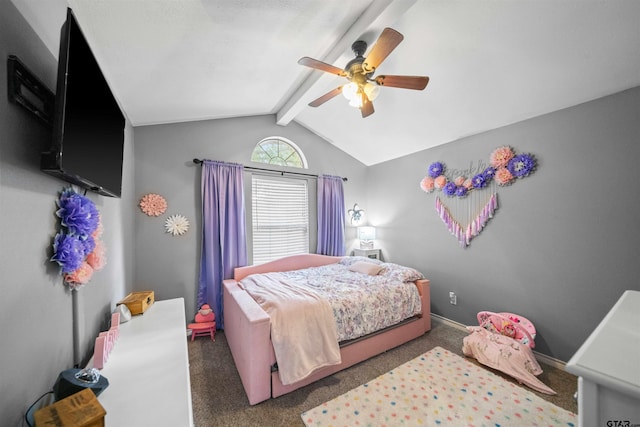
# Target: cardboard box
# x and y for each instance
(81, 409)
(138, 302)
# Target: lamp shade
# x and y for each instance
(350, 91)
(366, 233)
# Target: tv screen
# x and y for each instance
(88, 127)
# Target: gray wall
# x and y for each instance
(170, 265)
(563, 245)
(35, 307)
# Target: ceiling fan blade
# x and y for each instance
(367, 106)
(404, 82)
(327, 96)
(322, 66)
(388, 40)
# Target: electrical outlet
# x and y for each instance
(453, 299)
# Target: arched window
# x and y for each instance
(280, 151)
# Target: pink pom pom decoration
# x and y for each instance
(97, 259)
(80, 276)
(427, 184)
(503, 176)
(440, 181)
(501, 156)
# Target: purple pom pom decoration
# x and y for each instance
(68, 252)
(78, 213)
(521, 165)
(479, 181)
(436, 169)
(77, 247)
(449, 189)
(489, 173)
(461, 191)
(88, 244)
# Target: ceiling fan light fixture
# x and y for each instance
(356, 102)
(363, 88)
(350, 91)
(371, 90)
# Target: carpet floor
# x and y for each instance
(219, 399)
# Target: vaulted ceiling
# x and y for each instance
(490, 62)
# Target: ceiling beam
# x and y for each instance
(379, 14)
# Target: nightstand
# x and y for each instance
(369, 253)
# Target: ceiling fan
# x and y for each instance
(363, 87)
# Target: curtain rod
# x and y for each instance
(199, 162)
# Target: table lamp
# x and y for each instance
(366, 235)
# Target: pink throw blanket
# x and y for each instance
(504, 354)
(303, 329)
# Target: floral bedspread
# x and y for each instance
(361, 303)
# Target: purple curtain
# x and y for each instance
(330, 216)
(223, 231)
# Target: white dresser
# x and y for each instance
(608, 366)
(148, 370)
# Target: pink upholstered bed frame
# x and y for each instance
(247, 329)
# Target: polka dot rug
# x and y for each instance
(439, 388)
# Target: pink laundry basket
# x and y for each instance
(509, 324)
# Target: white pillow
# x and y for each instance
(365, 268)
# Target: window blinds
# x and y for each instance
(280, 211)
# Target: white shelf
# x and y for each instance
(148, 370)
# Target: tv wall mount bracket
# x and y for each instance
(25, 89)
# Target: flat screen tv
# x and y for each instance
(88, 125)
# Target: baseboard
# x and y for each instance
(448, 322)
(542, 358)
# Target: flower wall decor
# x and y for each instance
(505, 168)
(77, 247)
(176, 225)
(153, 204)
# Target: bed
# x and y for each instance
(248, 327)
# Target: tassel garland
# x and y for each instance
(464, 235)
